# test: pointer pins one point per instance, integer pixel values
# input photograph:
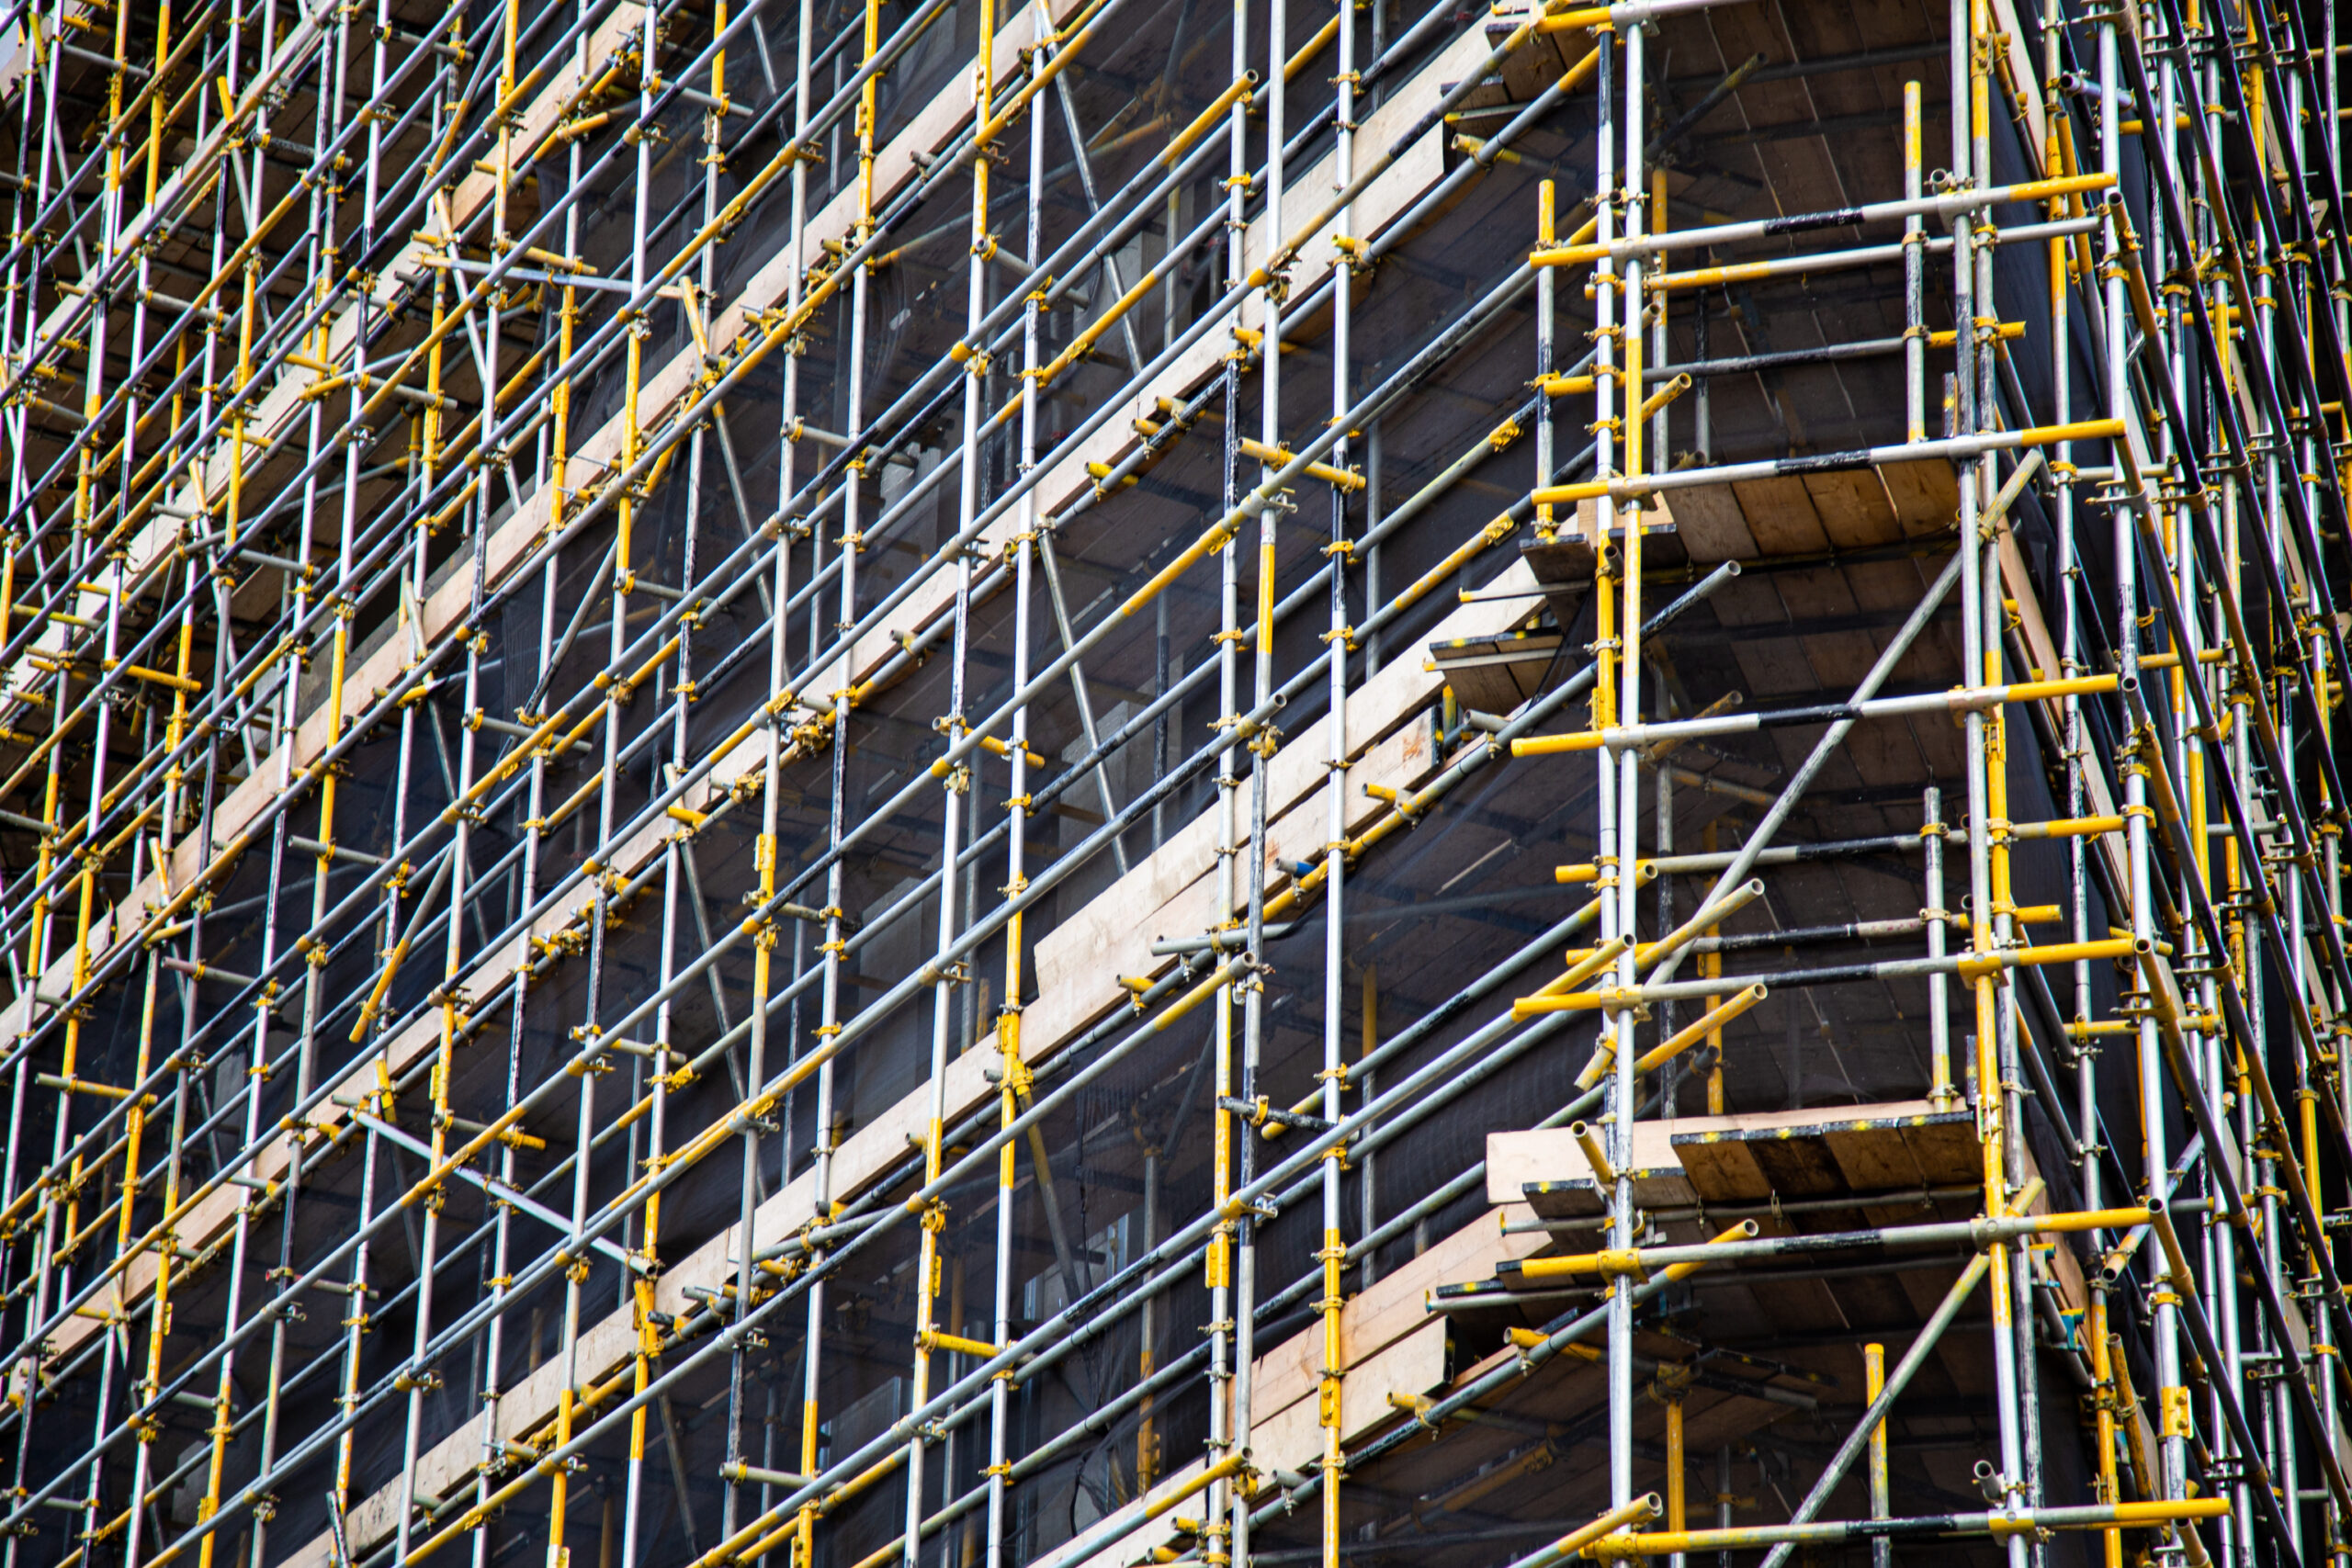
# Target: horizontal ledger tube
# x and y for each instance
(1967, 965)
(2001, 1527)
(1956, 447)
(1958, 700)
(1978, 1233)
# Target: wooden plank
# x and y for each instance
(1405, 755)
(1752, 600)
(1542, 1154)
(1780, 516)
(1798, 1163)
(1924, 494)
(1774, 667)
(1395, 1306)
(1854, 508)
(1564, 1199)
(1816, 591)
(1837, 659)
(1772, 1137)
(1549, 1154)
(1882, 755)
(1725, 1173)
(1531, 69)
(1710, 524)
(1875, 1159)
(1293, 1435)
(1841, 659)
(1894, 588)
(1079, 964)
(1137, 1544)
(1946, 1148)
(1498, 674)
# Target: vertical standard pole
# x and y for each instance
(1546, 235)
(1677, 1498)
(1613, 863)
(221, 1420)
(1669, 1077)
(1874, 1384)
(1227, 1501)
(623, 580)
(2328, 117)
(2064, 276)
(134, 1129)
(1725, 1498)
(533, 835)
(951, 816)
(1980, 655)
(1254, 995)
(1334, 1252)
(1162, 671)
(1915, 276)
(159, 1306)
(1711, 965)
(2103, 1350)
(679, 851)
(2219, 1245)
(1659, 458)
(2269, 1252)
(1368, 1171)
(1627, 783)
(678, 854)
(1703, 408)
(1931, 834)
(835, 946)
(2246, 955)
(1148, 1323)
(1373, 511)
(1025, 552)
(2156, 1149)
(2303, 284)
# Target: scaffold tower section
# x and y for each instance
(1138, 784)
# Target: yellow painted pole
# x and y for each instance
(1874, 1384)
(1675, 1517)
(2000, 1527)
(2104, 1404)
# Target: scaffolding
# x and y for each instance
(1158, 1002)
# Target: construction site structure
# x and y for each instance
(1122, 783)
